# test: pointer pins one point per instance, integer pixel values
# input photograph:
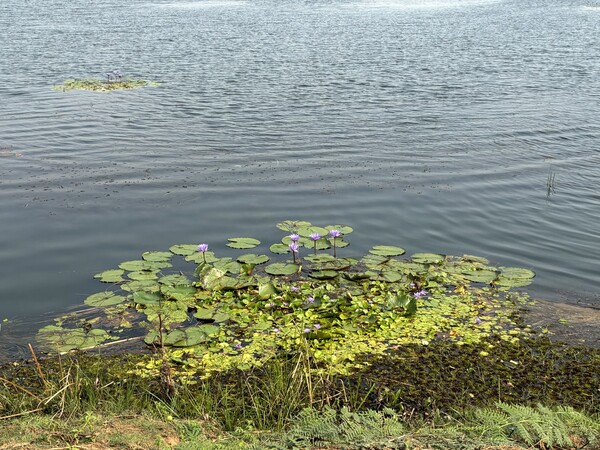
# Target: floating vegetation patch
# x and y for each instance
(114, 81)
(237, 313)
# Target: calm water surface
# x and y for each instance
(430, 124)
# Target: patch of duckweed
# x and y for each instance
(238, 313)
(103, 85)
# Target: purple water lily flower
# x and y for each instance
(307, 330)
(202, 248)
(294, 249)
(422, 293)
(317, 326)
(477, 320)
(335, 233)
(237, 346)
(294, 237)
(315, 236)
(294, 289)
(275, 330)
(310, 300)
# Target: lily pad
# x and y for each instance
(266, 290)
(293, 225)
(428, 258)
(181, 293)
(253, 259)
(512, 282)
(104, 299)
(136, 266)
(306, 231)
(65, 339)
(147, 298)
(174, 280)
(143, 275)
(516, 272)
(141, 285)
(184, 249)
(344, 229)
(282, 269)
(480, 276)
(279, 248)
(111, 276)
(323, 274)
(243, 242)
(387, 250)
(157, 256)
(204, 313)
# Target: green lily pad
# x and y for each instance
(266, 290)
(480, 276)
(306, 231)
(243, 242)
(387, 250)
(392, 276)
(323, 274)
(320, 258)
(102, 299)
(282, 269)
(199, 257)
(221, 317)
(66, 339)
(174, 280)
(147, 298)
(293, 225)
(428, 258)
(157, 256)
(279, 249)
(141, 285)
(110, 276)
(516, 272)
(204, 313)
(140, 265)
(475, 259)
(253, 259)
(143, 275)
(184, 249)
(344, 229)
(512, 282)
(181, 293)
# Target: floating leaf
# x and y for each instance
(512, 282)
(392, 276)
(221, 317)
(306, 231)
(110, 276)
(279, 248)
(475, 259)
(174, 280)
(141, 265)
(207, 329)
(182, 293)
(243, 242)
(282, 269)
(266, 290)
(199, 257)
(157, 256)
(65, 339)
(293, 225)
(141, 285)
(204, 314)
(323, 274)
(387, 250)
(104, 299)
(516, 272)
(344, 229)
(184, 249)
(253, 259)
(428, 258)
(147, 298)
(143, 275)
(480, 276)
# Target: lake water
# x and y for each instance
(453, 126)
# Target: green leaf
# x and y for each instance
(199, 257)
(293, 225)
(243, 242)
(266, 290)
(279, 248)
(344, 229)
(104, 299)
(143, 275)
(174, 280)
(282, 269)
(480, 276)
(184, 249)
(251, 258)
(204, 313)
(208, 329)
(306, 231)
(181, 293)
(387, 250)
(516, 272)
(141, 285)
(157, 256)
(428, 258)
(221, 317)
(110, 276)
(147, 298)
(323, 274)
(136, 266)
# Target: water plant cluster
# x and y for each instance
(304, 297)
(115, 80)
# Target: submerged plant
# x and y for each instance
(239, 313)
(114, 81)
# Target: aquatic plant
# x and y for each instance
(238, 313)
(114, 81)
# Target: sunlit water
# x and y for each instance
(454, 126)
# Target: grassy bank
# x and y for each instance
(435, 396)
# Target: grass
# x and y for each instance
(442, 396)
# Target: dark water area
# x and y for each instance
(453, 126)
